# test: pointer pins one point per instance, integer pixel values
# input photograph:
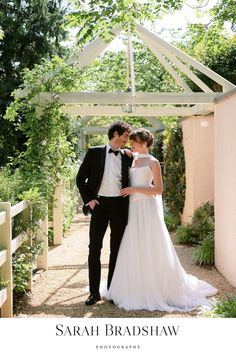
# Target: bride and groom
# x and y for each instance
(124, 190)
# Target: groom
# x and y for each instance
(102, 175)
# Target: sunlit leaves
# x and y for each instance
(99, 17)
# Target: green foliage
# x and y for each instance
(3, 283)
(99, 17)
(1, 33)
(174, 171)
(22, 264)
(50, 139)
(172, 221)
(225, 11)
(186, 234)
(157, 149)
(204, 254)
(213, 47)
(223, 308)
(201, 227)
(32, 31)
(70, 197)
(11, 185)
(200, 232)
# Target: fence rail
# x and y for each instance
(8, 245)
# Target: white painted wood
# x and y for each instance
(42, 236)
(170, 69)
(131, 63)
(126, 97)
(137, 111)
(189, 60)
(202, 109)
(80, 58)
(3, 296)
(27, 218)
(103, 130)
(2, 217)
(151, 45)
(3, 257)
(6, 269)
(58, 215)
(17, 241)
(86, 56)
(18, 208)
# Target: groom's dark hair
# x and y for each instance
(120, 127)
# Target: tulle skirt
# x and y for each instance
(148, 273)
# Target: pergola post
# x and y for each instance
(198, 140)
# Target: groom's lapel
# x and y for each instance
(101, 164)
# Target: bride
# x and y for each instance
(148, 274)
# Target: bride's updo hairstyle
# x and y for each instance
(142, 135)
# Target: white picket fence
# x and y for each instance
(8, 245)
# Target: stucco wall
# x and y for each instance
(225, 187)
(198, 139)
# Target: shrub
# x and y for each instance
(204, 253)
(202, 226)
(201, 233)
(11, 185)
(223, 308)
(172, 221)
(23, 261)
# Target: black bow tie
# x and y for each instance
(114, 152)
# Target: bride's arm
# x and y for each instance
(156, 188)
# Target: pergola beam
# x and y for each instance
(107, 98)
(137, 111)
(86, 56)
(156, 47)
(227, 85)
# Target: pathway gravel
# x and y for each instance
(62, 290)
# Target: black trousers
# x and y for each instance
(110, 211)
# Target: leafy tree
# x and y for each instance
(32, 31)
(215, 48)
(99, 17)
(225, 11)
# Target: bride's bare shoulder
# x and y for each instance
(154, 160)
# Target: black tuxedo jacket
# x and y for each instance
(91, 171)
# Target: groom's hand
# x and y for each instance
(92, 203)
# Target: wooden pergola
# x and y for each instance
(145, 104)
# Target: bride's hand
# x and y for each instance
(127, 191)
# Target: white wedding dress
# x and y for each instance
(148, 274)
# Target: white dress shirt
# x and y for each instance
(111, 181)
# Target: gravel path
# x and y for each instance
(61, 291)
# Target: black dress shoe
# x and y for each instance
(111, 302)
(92, 299)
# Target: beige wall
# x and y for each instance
(198, 139)
(225, 187)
